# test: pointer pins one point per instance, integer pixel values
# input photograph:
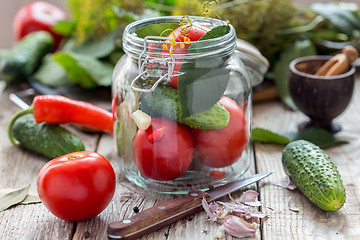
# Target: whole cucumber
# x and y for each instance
(25, 57)
(47, 139)
(316, 176)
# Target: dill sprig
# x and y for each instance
(209, 8)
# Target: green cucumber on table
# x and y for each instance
(24, 58)
(315, 175)
(50, 140)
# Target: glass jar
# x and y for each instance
(199, 133)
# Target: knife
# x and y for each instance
(174, 210)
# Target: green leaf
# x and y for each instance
(300, 48)
(318, 136)
(339, 16)
(101, 72)
(203, 80)
(218, 31)
(87, 71)
(65, 27)
(156, 29)
(199, 93)
(97, 48)
(263, 135)
(200, 46)
(13, 197)
(73, 70)
(52, 74)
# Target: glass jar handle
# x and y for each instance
(144, 59)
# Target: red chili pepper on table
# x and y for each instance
(56, 109)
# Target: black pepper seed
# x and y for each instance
(87, 234)
(136, 209)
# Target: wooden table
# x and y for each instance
(18, 168)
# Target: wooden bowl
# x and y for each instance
(320, 98)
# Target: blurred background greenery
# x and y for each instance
(281, 29)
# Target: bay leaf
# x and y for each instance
(218, 31)
(14, 197)
(201, 93)
(203, 80)
(200, 46)
(156, 29)
(315, 135)
(264, 135)
(31, 197)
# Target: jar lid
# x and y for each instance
(256, 64)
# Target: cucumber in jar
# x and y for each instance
(164, 101)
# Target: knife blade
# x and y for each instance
(174, 210)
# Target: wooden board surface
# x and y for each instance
(19, 168)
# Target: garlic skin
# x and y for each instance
(238, 227)
(214, 211)
(249, 198)
(285, 183)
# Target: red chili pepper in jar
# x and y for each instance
(56, 109)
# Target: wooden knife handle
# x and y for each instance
(157, 216)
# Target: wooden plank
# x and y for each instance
(310, 222)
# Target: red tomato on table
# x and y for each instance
(76, 186)
(163, 151)
(222, 147)
(38, 16)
